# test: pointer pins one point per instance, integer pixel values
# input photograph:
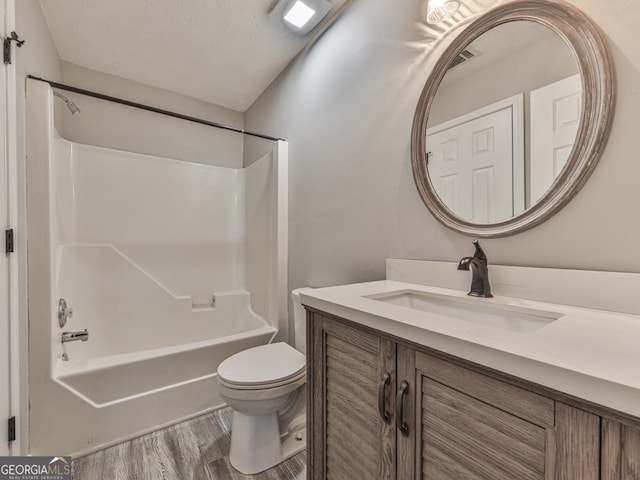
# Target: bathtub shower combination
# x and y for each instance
(169, 266)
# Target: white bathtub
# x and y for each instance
(109, 380)
(170, 266)
(143, 339)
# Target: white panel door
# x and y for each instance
(555, 117)
(471, 166)
(4, 262)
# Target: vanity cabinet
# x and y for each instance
(447, 419)
(471, 426)
(620, 451)
(349, 436)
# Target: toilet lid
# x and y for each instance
(267, 364)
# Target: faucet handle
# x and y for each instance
(479, 253)
(64, 312)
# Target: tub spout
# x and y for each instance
(82, 335)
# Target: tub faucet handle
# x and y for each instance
(65, 312)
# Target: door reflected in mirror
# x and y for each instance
(503, 122)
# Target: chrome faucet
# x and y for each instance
(480, 286)
(82, 335)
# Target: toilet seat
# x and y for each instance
(263, 386)
(259, 394)
(263, 367)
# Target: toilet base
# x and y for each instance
(256, 444)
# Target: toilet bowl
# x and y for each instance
(265, 388)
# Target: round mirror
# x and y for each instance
(513, 118)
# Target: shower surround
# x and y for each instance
(170, 266)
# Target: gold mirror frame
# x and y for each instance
(585, 40)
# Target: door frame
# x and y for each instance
(5, 303)
(11, 267)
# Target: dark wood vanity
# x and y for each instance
(438, 417)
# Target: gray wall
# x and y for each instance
(346, 107)
(107, 124)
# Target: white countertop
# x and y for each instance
(591, 354)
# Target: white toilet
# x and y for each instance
(265, 388)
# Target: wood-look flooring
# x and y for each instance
(193, 450)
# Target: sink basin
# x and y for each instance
(508, 317)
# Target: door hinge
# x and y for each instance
(12, 429)
(7, 46)
(8, 241)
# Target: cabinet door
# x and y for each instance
(620, 451)
(474, 427)
(348, 438)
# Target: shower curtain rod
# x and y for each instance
(161, 111)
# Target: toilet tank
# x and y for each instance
(299, 320)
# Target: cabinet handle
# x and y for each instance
(400, 423)
(382, 390)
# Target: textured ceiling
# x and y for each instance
(224, 52)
